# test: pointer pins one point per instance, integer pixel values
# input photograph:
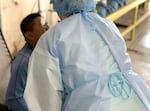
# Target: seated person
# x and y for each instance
(32, 29)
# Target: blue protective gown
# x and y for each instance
(81, 64)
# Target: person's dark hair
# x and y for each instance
(26, 24)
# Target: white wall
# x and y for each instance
(13, 11)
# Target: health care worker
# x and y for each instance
(81, 64)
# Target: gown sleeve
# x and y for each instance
(44, 85)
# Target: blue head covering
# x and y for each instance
(71, 6)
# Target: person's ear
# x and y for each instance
(29, 36)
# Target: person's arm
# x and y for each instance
(15, 91)
(21, 84)
(44, 84)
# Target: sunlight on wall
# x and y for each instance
(0, 13)
(12, 12)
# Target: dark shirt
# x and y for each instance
(17, 83)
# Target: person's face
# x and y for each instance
(37, 30)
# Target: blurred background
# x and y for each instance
(130, 16)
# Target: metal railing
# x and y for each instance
(134, 5)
